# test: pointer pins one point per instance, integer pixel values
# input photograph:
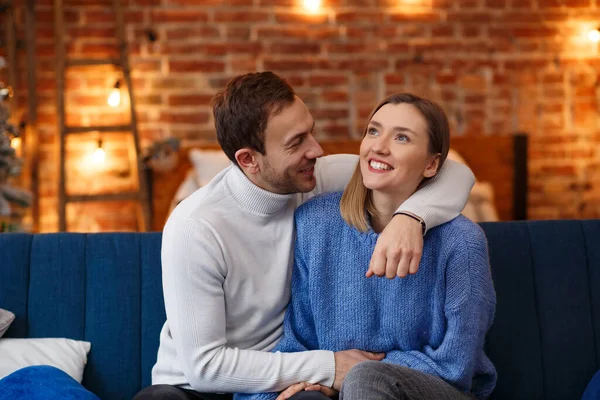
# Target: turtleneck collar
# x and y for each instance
(253, 198)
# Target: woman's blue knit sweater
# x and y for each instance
(434, 321)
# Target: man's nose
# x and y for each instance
(315, 150)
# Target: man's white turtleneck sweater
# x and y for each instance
(227, 253)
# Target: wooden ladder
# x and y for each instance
(141, 196)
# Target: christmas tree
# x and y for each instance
(13, 200)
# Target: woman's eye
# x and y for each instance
(402, 138)
(372, 132)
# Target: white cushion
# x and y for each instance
(68, 355)
(6, 318)
(207, 164)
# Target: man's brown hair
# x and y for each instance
(243, 108)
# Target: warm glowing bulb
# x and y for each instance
(312, 5)
(594, 35)
(99, 154)
(15, 143)
(114, 99)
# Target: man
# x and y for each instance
(227, 249)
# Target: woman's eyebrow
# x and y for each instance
(396, 128)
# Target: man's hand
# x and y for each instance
(345, 360)
(398, 249)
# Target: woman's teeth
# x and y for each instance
(380, 166)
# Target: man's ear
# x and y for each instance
(247, 160)
(432, 168)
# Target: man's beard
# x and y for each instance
(283, 183)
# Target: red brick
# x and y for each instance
(237, 32)
(296, 18)
(335, 97)
(289, 65)
(196, 66)
(294, 48)
(495, 4)
(297, 32)
(174, 16)
(184, 118)
(442, 31)
(445, 78)
(241, 16)
(197, 32)
(327, 80)
(368, 65)
(190, 100)
(91, 32)
(372, 17)
(322, 113)
(469, 31)
(416, 17)
(469, 16)
(338, 131)
(206, 3)
(354, 47)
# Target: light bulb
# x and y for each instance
(15, 143)
(312, 5)
(114, 99)
(99, 154)
(594, 35)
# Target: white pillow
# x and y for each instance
(65, 354)
(207, 164)
(6, 318)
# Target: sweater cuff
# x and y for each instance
(420, 212)
(325, 367)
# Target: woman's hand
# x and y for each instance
(299, 387)
(398, 249)
(292, 390)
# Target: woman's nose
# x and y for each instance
(381, 146)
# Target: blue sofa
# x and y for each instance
(106, 289)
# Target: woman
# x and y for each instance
(430, 325)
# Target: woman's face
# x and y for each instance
(394, 154)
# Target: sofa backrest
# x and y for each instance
(106, 288)
(103, 288)
(545, 339)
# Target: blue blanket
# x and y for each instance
(42, 382)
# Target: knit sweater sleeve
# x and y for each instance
(298, 327)
(469, 309)
(194, 272)
(440, 200)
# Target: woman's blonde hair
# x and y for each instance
(356, 205)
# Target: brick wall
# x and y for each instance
(497, 67)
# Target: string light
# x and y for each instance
(114, 99)
(99, 154)
(312, 6)
(15, 143)
(594, 35)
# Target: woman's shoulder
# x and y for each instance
(460, 234)
(460, 226)
(321, 204)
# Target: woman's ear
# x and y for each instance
(246, 159)
(432, 167)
